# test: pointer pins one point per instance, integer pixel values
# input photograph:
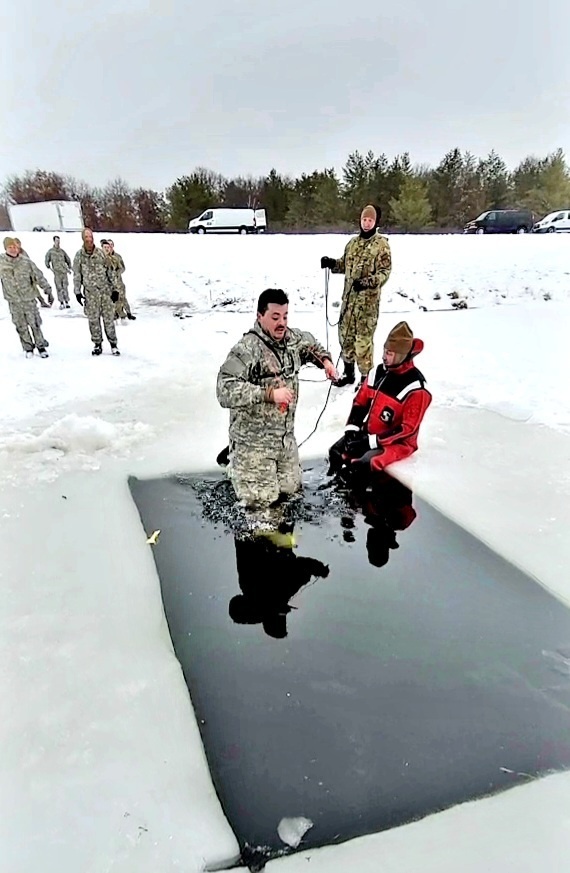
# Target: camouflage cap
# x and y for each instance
(369, 212)
(400, 339)
(9, 241)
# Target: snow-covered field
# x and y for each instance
(102, 766)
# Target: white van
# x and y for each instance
(229, 220)
(554, 222)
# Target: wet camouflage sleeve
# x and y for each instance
(234, 387)
(312, 352)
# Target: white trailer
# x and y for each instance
(229, 220)
(50, 215)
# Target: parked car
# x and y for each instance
(502, 221)
(554, 222)
(229, 220)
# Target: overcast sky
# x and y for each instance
(149, 90)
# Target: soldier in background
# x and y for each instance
(259, 383)
(59, 262)
(94, 285)
(366, 264)
(43, 303)
(122, 308)
(19, 276)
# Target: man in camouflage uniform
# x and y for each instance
(122, 308)
(59, 262)
(19, 276)
(43, 303)
(259, 383)
(94, 273)
(366, 264)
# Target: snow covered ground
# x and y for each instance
(102, 766)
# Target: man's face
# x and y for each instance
(13, 250)
(367, 224)
(88, 240)
(56, 242)
(274, 320)
(390, 359)
(106, 248)
(111, 245)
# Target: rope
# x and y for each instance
(328, 324)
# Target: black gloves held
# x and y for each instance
(114, 296)
(80, 298)
(327, 262)
(356, 443)
(358, 285)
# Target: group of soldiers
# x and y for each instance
(97, 283)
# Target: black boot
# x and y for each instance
(348, 376)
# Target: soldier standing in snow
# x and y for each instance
(122, 308)
(43, 303)
(259, 383)
(59, 262)
(387, 412)
(366, 264)
(19, 276)
(94, 273)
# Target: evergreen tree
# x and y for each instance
(411, 210)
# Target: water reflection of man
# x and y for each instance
(269, 575)
(388, 509)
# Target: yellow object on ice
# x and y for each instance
(151, 541)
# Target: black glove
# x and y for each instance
(356, 443)
(50, 298)
(114, 296)
(327, 262)
(358, 285)
(80, 298)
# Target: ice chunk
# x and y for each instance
(292, 830)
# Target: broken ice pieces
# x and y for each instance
(292, 830)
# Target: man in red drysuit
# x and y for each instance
(388, 409)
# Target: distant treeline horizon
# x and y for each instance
(413, 198)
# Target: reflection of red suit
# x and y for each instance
(387, 509)
(389, 408)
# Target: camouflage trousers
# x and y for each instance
(99, 307)
(260, 474)
(27, 321)
(60, 282)
(122, 308)
(357, 326)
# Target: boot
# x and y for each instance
(348, 376)
(97, 350)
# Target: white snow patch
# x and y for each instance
(79, 435)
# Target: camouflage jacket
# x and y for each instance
(369, 260)
(19, 277)
(93, 272)
(256, 364)
(58, 260)
(119, 268)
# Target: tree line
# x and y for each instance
(412, 197)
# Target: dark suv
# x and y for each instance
(502, 221)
